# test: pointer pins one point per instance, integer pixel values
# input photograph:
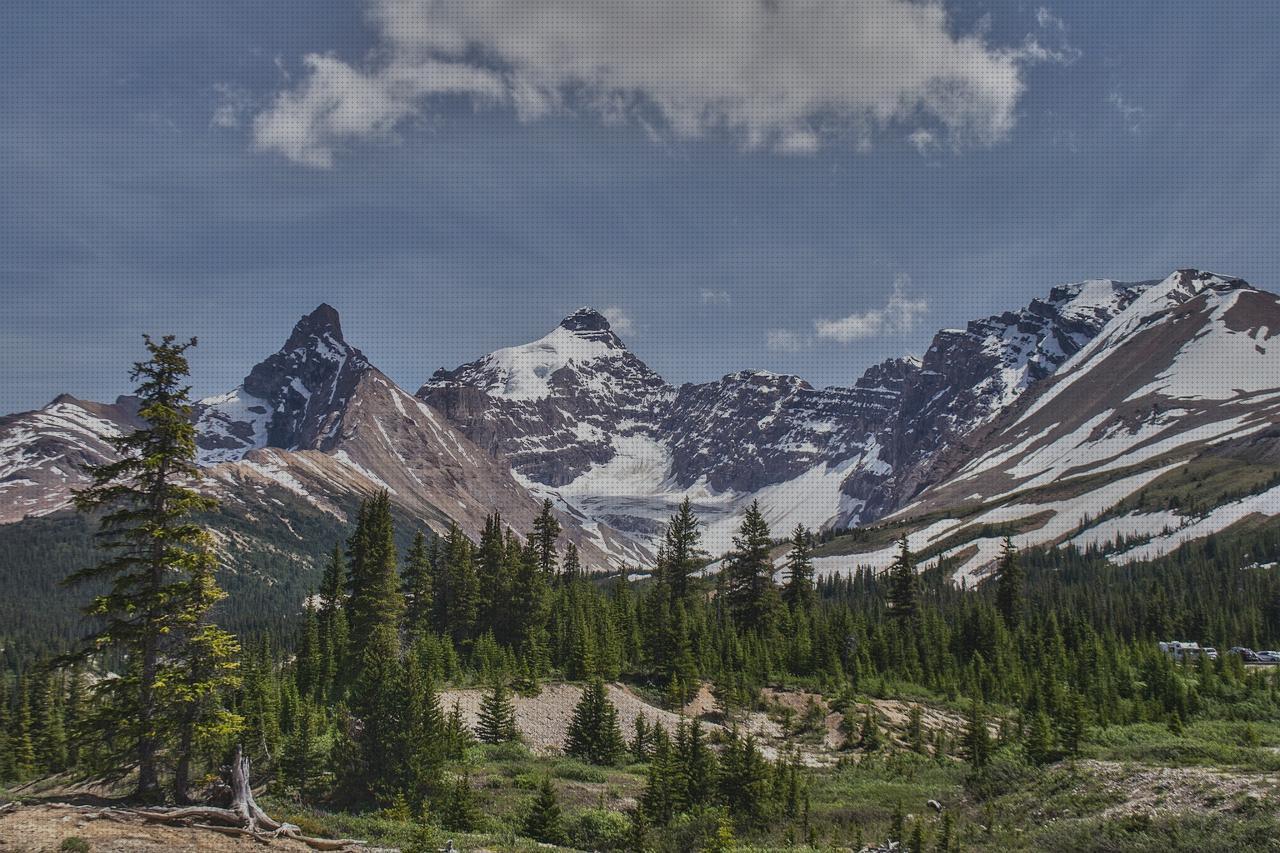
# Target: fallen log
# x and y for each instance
(244, 818)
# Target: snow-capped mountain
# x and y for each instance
(316, 420)
(1045, 422)
(583, 419)
(1122, 447)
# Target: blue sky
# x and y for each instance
(458, 180)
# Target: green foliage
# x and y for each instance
(543, 821)
(497, 723)
(157, 585)
(594, 734)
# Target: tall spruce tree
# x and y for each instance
(904, 585)
(497, 722)
(749, 572)
(546, 532)
(207, 668)
(415, 586)
(156, 549)
(543, 821)
(798, 591)
(682, 550)
(594, 735)
(1010, 580)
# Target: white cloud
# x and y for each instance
(1132, 113)
(785, 340)
(924, 141)
(764, 72)
(619, 320)
(234, 104)
(898, 315)
(716, 297)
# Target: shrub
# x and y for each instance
(597, 829)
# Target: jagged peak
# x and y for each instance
(323, 322)
(586, 319)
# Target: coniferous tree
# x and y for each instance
(546, 531)
(332, 627)
(151, 600)
(206, 669)
(24, 751)
(301, 762)
(682, 550)
(8, 738)
(1010, 580)
(543, 822)
(744, 779)
(904, 585)
(497, 722)
(459, 811)
(798, 591)
(658, 801)
(749, 572)
(594, 735)
(870, 737)
(571, 567)
(415, 586)
(459, 601)
(428, 743)
(976, 739)
(48, 737)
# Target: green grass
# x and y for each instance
(1208, 743)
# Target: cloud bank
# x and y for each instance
(897, 316)
(785, 75)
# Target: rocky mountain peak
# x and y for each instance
(321, 323)
(586, 320)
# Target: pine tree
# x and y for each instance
(458, 811)
(696, 770)
(637, 838)
(206, 670)
(572, 565)
(333, 641)
(976, 739)
(429, 745)
(594, 735)
(798, 591)
(1038, 742)
(721, 839)
(658, 801)
(156, 550)
(917, 836)
(682, 551)
(8, 736)
(415, 586)
(904, 586)
(459, 601)
(1010, 580)
(898, 824)
(309, 672)
(870, 738)
(24, 751)
(302, 760)
(743, 783)
(48, 736)
(947, 837)
(546, 531)
(749, 572)
(915, 729)
(543, 822)
(375, 603)
(497, 723)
